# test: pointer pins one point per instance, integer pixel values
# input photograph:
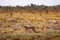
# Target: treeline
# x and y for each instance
(30, 8)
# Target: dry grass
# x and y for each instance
(29, 25)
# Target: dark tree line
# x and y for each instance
(31, 8)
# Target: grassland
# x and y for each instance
(30, 23)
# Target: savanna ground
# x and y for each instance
(22, 23)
